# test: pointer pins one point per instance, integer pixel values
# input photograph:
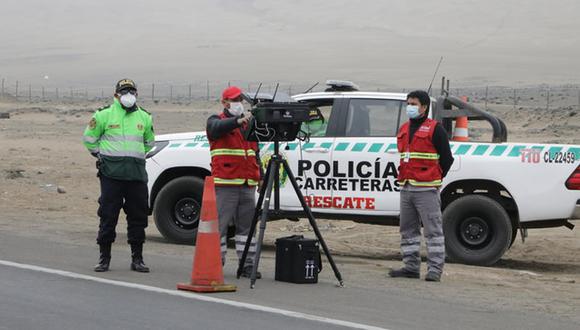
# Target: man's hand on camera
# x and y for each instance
(245, 119)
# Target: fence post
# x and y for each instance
(207, 89)
(170, 93)
(2, 87)
(57, 93)
(578, 98)
(515, 99)
(152, 92)
(486, 93)
(16, 93)
(43, 93)
(289, 90)
(189, 92)
(548, 99)
(29, 93)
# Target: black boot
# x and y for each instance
(105, 258)
(137, 263)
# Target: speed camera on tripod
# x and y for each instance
(276, 121)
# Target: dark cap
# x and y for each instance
(125, 84)
(231, 93)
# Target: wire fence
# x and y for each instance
(187, 92)
(540, 96)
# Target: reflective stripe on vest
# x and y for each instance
(420, 155)
(232, 152)
(421, 184)
(235, 182)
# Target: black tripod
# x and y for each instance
(272, 181)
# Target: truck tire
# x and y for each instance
(177, 208)
(477, 230)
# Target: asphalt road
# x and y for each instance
(36, 300)
(81, 299)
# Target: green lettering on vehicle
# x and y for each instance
(308, 145)
(341, 146)
(463, 149)
(391, 146)
(576, 152)
(553, 151)
(538, 148)
(480, 150)
(498, 150)
(375, 147)
(326, 145)
(292, 146)
(358, 147)
(516, 151)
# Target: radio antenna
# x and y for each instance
(434, 74)
(275, 92)
(309, 89)
(256, 95)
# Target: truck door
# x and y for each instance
(366, 157)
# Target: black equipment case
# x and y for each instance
(297, 259)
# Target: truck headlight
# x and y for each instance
(159, 145)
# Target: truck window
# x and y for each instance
(317, 126)
(373, 117)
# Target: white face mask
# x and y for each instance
(236, 108)
(413, 111)
(128, 100)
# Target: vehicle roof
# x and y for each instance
(265, 96)
(374, 95)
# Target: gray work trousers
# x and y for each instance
(422, 207)
(236, 205)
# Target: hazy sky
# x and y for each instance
(396, 43)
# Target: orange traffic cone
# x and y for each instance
(207, 274)
(460, 133)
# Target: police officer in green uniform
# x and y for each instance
(119, 136)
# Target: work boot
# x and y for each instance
(247, 272)
(137, 263)
(403, 273)
(104, 259)
(433, 277)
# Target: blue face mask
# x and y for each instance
(413, 111)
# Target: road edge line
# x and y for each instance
(193, 296)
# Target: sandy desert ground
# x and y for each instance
(48, 187)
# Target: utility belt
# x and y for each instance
(121, 168)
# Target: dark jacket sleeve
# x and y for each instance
(259, 161)
(216, 127)
(441, 143)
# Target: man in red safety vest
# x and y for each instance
(425, 160)
(235, 166)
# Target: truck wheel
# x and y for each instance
(177, 209)
(477, 230)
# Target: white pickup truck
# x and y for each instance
(348, 170)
